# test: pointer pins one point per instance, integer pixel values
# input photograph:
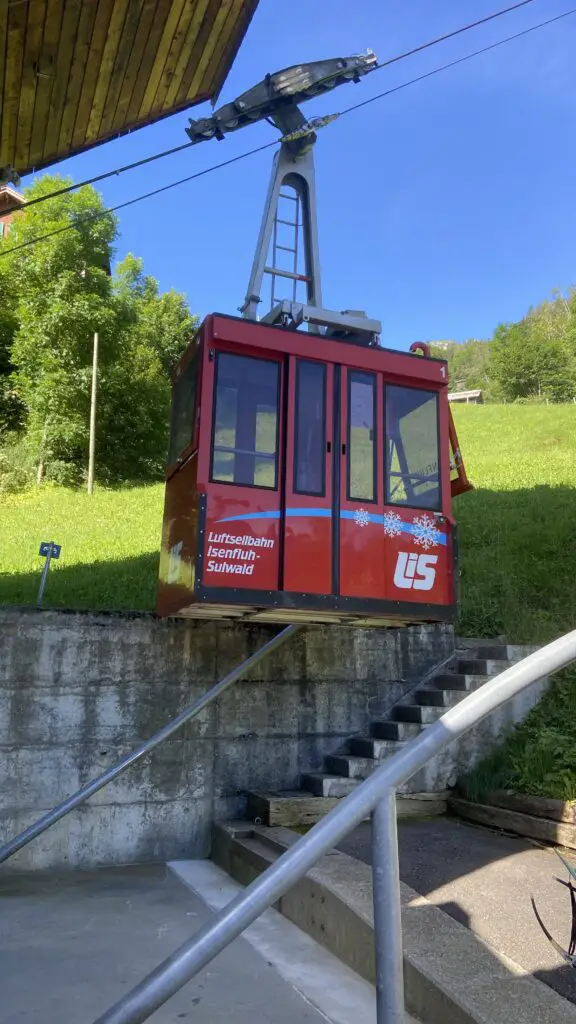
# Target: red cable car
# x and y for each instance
(308, 480)
(310, 476)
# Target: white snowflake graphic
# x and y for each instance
(424, 532)
(392, 524)
(361, 517)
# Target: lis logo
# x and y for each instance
(415, 572)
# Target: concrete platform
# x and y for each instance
(71, 945)
(485, 881)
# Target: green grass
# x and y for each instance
(110, 544)
(517, 531)
(518, 528)
(518, 558)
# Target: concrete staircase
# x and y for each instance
(426, 792)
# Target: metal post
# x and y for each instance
(112, 773)
(92, 442)
(44, 576)
(387, 913)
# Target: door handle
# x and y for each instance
(343, 449)
(328, 446)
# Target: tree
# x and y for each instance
(155, 331)
(524, 365)
(59, 292)
(62, 288)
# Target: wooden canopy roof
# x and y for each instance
(74, 73)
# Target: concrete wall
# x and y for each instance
(79, 691)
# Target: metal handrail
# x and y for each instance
(376, 794)
(83, 794)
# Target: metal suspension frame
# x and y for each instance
(293, 168)
(300, 176)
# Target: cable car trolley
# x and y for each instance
(311, 471)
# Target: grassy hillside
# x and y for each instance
(517, 531)
(109, 541)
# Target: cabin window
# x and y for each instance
(245, 436)
(361, 436)
(310, 428)
(183, 411)
(412, 449)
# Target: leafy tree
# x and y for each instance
(524, 366)
(59, 292)
(62, 288)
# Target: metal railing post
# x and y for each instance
(387, 913)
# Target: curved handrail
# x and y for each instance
(198, 951)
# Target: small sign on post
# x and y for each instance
(48, 550)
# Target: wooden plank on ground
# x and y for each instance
(544, 829)
(47, 71)
(107, 67)
(539, 806)
(29, 81)
(148, 16)
(16, 36)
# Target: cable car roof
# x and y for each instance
(74, 73)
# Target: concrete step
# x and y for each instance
(459, 681)
(439, 698)
(293, 807)
(323, 784)
(483, 666)
(417, 713)
(351, 767)
(366, 746)
(395, 730)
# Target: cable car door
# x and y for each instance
(309, 561)
(416, 520)
(361, 542)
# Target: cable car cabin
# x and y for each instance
(308, 480)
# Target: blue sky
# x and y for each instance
(443, 209)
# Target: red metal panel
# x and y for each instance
(396, 366)
(242, 538)
(241, 544)
(362, 541)
(418, 556)
(308, 518)
(179, 539)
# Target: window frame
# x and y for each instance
(432, 392)
(176, 458)
(298, 363)
(359, 374)
(276, 454)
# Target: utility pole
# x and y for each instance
(92, 443)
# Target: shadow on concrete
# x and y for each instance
(485, 881)
(123, 584)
